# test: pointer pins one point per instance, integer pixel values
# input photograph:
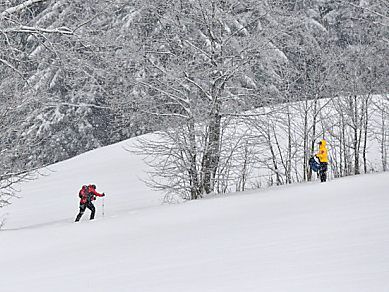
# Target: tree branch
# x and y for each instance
(13, 68)
(368, 9)
(19, 7)
(31, 29)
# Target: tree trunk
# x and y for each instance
(307, 170)
(289, 155)
(195, 190)
(356, 141)
(313, 137)
(274, 159)
(366, 124)
(211, 156)
(383, 142)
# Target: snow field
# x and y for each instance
(306, 237)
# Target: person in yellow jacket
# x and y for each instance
(322, 155)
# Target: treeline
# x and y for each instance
(76, 75)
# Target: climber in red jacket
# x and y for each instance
(88, 194)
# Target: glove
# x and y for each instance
(103, 194)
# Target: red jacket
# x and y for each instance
(88, 192)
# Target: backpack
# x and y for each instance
(314, 164)
(85, 193)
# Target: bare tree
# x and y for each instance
(381, 105)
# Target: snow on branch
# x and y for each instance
(368, 10)
(80, 105)
(30, 29)
(19, 7)
(12, 67)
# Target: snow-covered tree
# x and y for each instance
(40, 43)
(202, 61)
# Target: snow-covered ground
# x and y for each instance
(310, 237)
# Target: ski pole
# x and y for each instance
(103, 206)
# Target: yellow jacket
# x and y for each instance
(323, 152)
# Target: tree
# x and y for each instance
(34, 40)
(381, 105)
(202, 61)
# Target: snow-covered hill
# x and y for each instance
(309, 237)
(54, 196)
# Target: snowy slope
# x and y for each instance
(310, 237)
(53, 198)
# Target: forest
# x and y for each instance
(238, 92)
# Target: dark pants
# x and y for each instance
(83, 207)
(323, 171)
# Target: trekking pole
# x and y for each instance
(103, 206)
